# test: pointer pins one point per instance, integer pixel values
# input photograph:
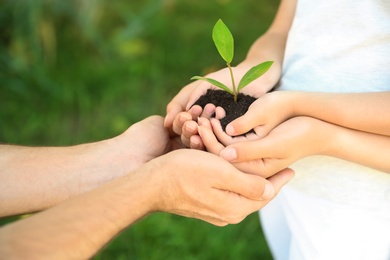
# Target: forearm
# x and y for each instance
(361, 111)
(271, 45)
(35, 178)
(363, 148)
(79, 227)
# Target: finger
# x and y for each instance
(208, 110)
(247, 151)
(196, 142)
(262, 130)
(247, 185)
(195, 112)
(270, 187)
(178, 104)
(252, 136)
(200, 90)
(255, 167)
(190, 128)
(246, 122)
(179, 122)
(281, 178)
(209, 140)
(224, 138)
(220, 113)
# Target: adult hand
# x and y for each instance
(186, 182)
(202, 185)
(147, 139)
(35, 178)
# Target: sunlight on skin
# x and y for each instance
(205, 133)
(186, 124)
(209, 139)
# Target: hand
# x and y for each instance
(201, 185)
(296, 138)
(210, 131)
(185, 125)
(60, 173)
(190, 93)
(147, 139)
(264, 114)
(141, 142)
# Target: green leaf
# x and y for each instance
(214, 82)
(254, 73)
(223, 40)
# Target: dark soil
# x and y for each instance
(225, 100)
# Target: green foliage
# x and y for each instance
(254, 73)
(77, 71)
(224, 41)
(214, 82)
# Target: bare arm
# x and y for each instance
(35, 178)
(367, 112)
(300, 137)
(81, 226)
(271, 45)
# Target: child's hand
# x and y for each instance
(185, 125)
(294, 139)
(264, 114)
(190, 93)
(209, 135)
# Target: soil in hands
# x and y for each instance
(225, 100)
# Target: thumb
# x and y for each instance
(178, 104)
(279, 180)
(247, 185)
(244, 123)
(196, 94)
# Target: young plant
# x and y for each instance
(223, 40)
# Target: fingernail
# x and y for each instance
(190, 128)
(230, 129)
(229, 154)
(195, 144)
(165, 120)
(269, 191)
(182, 119)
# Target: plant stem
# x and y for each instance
(233, 82)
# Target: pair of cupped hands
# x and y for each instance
(278, 138)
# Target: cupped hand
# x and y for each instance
(188, 128)
(184, 100)
(143, 141)
(290, 141)
(202, 185)
(264, 114)
(215, 139)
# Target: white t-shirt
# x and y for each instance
(334, 209)
(340, 46)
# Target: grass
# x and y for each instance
(79, 71)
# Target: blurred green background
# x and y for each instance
(77, 71)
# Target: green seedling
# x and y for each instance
(223, 40)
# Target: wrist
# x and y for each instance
(327, 137)
(294, 100)
(266, 82)
(103, 161)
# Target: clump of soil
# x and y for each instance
(225, 100)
